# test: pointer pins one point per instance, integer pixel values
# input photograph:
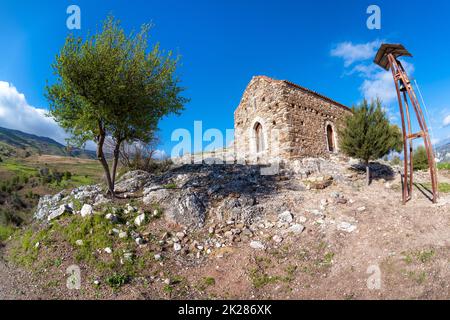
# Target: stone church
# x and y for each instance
(277, 119)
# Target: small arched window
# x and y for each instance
(330, 138)
(259, 135)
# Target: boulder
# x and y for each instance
(346, 226)
(86, 210)
(59, 212)
(286, 216)
(296, 229)
(257, 245)
(132, 181)
(139, 221)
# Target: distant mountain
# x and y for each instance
(18, 143)
(443, 151)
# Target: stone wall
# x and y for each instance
(294, 121)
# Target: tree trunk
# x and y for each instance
(367, 173)
(102, 159)
(115, 161)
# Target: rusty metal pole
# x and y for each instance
(405, 194)
(411, 162)
(400, 76)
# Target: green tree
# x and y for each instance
(113, 85)
(367, 134)
(420, 158)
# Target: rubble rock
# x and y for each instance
(59, 212)
(296, 228)
(346, 226)
(139, 221)
(86, 210)
(132, 181)
(286, 216)
(257, 245)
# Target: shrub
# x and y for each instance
(420, 159)
(5, 232)
(67, 175)
(117, 280)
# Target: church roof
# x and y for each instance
(307, 91)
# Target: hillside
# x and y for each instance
(443, 152)
(17, 143)
(229, 232)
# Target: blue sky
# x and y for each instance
(323, 45)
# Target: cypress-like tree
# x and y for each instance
(368, 135)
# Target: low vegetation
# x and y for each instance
(368, 135)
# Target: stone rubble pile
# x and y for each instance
(234, 203)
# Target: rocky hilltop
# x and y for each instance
(314, 230)
(228, 196)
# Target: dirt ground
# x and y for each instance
(396, 252)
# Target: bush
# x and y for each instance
(5, 232)
(443, 166)
(117, 280)
(396, 161)
(420, 159)
(67, 175)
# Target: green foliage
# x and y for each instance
(420, 159)
(117, 280)
(368, 135)
(443, 166)
(93, 230)
(111, 85)
(25, 250)
(206, 282)
(5, 232)
(170, 186)
(396, 161)
(443, 187)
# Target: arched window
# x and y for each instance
(330, 139)
(259, 135)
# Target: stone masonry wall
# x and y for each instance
(294, 121)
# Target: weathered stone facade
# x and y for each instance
(277, 119)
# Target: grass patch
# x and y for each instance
(206, 282)
(25, 251)
(418, 277)
(6, 232)
(260, 279)
(443, 166)
(93, 230)
(17, 168)
(425, 255)
(117, 280)
(443, 187)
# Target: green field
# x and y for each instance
(24, 180)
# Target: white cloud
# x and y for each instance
(352, 53)
(160, 155)
(377, 83)
(380, 84)
(16, 113)
(447, 121)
